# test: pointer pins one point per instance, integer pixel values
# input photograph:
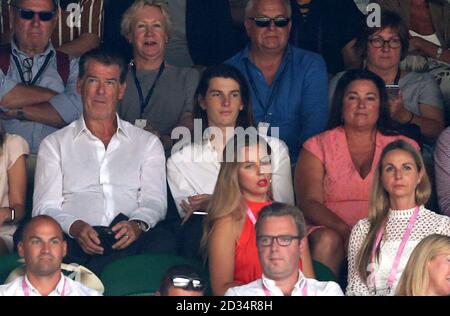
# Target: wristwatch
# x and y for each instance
(20, 115)
(12, 215)
(142, 225)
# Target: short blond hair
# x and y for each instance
(129, 15)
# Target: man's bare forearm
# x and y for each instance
(22, 95)
(43, 113)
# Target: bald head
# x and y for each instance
(39, 221)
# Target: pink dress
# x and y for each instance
(344, 191)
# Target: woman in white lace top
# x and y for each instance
(381, 244)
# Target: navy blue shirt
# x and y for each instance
(297, 100)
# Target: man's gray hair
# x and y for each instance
(251, 4)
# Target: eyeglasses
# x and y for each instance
(27, 65)
(379, 42)
(184, 282)
(27, 14)
(263, 21)
(282, 240)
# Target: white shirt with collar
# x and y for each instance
(265, 286)
(77, 178)
(195, 167)
(65, 287)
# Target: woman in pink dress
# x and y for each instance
(335, 169)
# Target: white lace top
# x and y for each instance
(427, 223)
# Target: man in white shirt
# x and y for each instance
(102, 178)
(281, 236)
(43, 248)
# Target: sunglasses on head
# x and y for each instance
(184, 282)
(263, 21)
(29, 14)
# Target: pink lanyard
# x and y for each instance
(251, 216)
(268, 293)
(26, 290)
(406, 235)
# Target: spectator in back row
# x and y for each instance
(288, 84)
(281, 237)
(181, 280)
(159, 97)
(335, 169)
(38, 92)
(102, 171)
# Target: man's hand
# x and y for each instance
(8, 115)
(194, 203)
(126, 233)
(397, 110)
(86, 237)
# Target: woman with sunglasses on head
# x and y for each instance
(181, 280)
(428, 269)
(159, 96)
(222, 105)
(381, 244)
(13, 150)
(414, 98)
(335, 169)
(243, 188)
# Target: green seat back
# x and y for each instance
(323, 273)
(7, 264)
(141, 274)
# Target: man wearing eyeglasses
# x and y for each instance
(35, 100)
(281, 237)
(288, 84)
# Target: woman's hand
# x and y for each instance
(397, 109)
(194, 203)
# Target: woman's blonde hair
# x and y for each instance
(379, 202)
(227, 198)
(126, 25)
(415, 279)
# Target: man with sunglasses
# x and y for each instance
(35, 97)
(281, 238)
(181, 280)
(288, 84)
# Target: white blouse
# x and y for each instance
(427, 223)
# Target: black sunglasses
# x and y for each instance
(263, 21)
(184, 282)
(29, 14)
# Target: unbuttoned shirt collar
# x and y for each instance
(245, 56)
(276, 291)
(81, 128)
(21, 55)
(61, 287)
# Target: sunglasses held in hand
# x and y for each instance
(263, 21)
(44, 16)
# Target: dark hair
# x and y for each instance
(277, 209)
(384, 123)
(391, 20)
(105, 57)
(180, 269)
(245, 117)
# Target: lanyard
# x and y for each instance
(26, 290)
(39, 73)
(275, 87)
(267, 292)
(405, 238)
(143, 102)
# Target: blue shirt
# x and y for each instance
(296, 102)
(67, 103)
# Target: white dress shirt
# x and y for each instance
(194, 170)
(65, 287)
(267, 287)
(77, 178)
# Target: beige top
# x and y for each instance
(13, 147)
